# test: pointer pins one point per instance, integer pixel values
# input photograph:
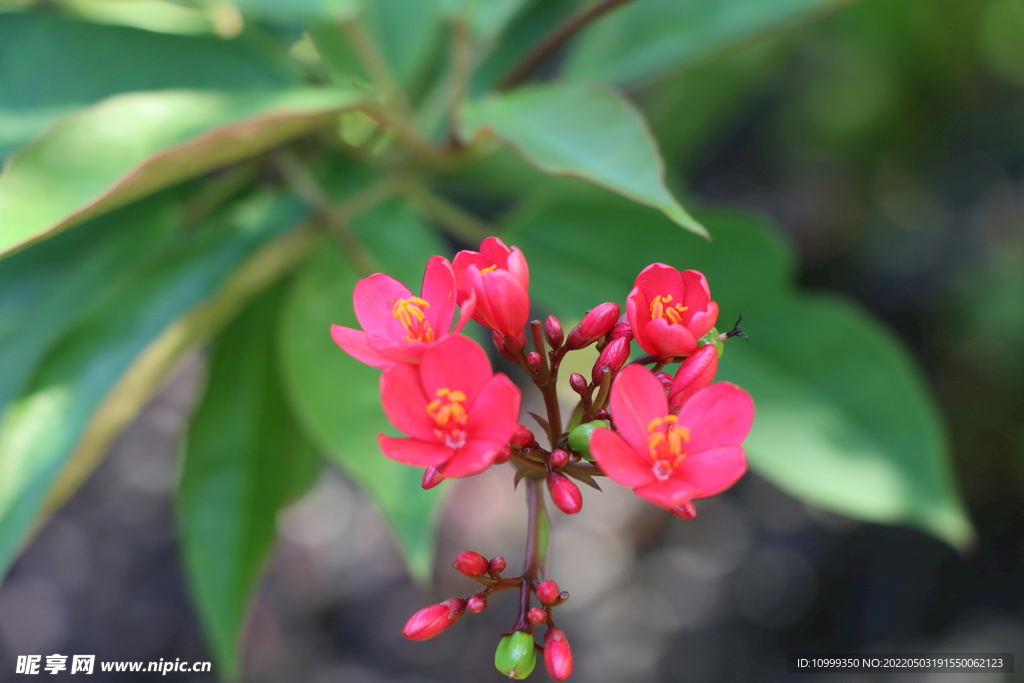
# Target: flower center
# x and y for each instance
(449, 416)
(489, 269)
(662, 307)
(410, 313)
(665, 443)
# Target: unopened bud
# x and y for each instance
(499, 343)
(430, 621)
(533, 359)
(503, 456)
(516, 344)
(695, 373)
(621, 331)
(557, 654)
(547, 591)
(596, 323)
(578, 382)
(553, 332)
(564, 493)
(685, 511)
(537, 616)
(665, 379)
(602, 414)
(431, 477)
(611, 359)
(516, 656)
(497, 565)
(477, 603)
(521, 437)
(469, 563)
(579, 437)
(559, 458)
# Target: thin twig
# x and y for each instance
(455, 220)
(375, 64)
(558, 37)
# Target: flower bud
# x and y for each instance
(685, 511)
(547, 591)
(477, 603)
(579, 437)
(517, 343)
(516, 656)
(578, 382)
(533, 359)
(559, 458)
(596, 323)
(621, 331)
(499, 343)
(557, 654)
(695, 373)
(497, 565)
(564, 493)
(537, 616)
(613, 357)
(503, 456)
(469, 563)
(521, 437)
(553, 332)
(665, 379)
(431, 477)
(430, 621)
(602, 415)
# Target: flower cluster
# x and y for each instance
(672, 438)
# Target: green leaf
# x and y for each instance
(245, 456)
(486, 18)
(40, 430)
(133, 145)
(302, 10)
(39, 83)
(844, 418)
(654, 38)
(584, 131)
(336, 397)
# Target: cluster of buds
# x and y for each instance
(672, 438)
(516, 655)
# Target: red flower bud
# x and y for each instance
(559, 458)
(517, 343)
(537, 616)
(602, 415)
(596, 323)
(533, 360)
(665, 379)
(695, 373)
(431, 477)
(469, 563)
(522, 437)
(477, 603)
(621, 331)
(547, 591)
(553, 332)
(557, 654)
(430, 621)
(564, 493)
(613, 358)
(497, 565)
(687, 510)
(503, 456)
(578, 382)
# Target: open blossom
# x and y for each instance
(672, 459)
(669, 310)
(397, 326)
(500, 280)
(458, 414)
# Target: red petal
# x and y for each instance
(696, 293)
(714, 470)
(374, 299)
(702, 321)
(619, 460)
(508, 302)
(638, 312)
(495, 251)
(466, 310)
(460, 266)
(404, 402)
(439, 291)
(495, 414)
(695, 373)
(637, 398)
(661, 279)
(517, 266)
(473, 458)
(361, 346)
(414, 451)
(670, 340)
(668, 494)
(719, 415)
(457, 363)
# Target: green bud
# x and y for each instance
(712, 338)
(579, 437)
(516, 656)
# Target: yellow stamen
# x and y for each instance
(409, 312)
(450, 416)
(662, 308)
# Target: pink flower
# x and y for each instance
(500, 279)
(399, 326)
(669, 459)
(430, 621)
(458, 414)
(670, 310)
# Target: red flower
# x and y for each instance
(670, 310)
(669, 459)
(399, 326)
(458, 414)
(500, 279)
(430, 621)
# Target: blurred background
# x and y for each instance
(887, 142)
